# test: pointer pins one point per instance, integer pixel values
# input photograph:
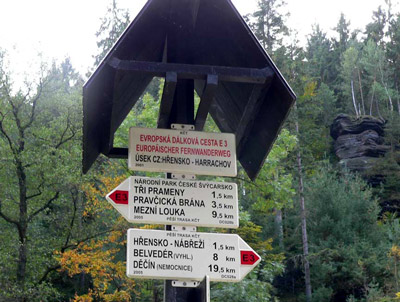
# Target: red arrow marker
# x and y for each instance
(248, 257)
(120, 197)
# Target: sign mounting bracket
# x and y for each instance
(180, 283)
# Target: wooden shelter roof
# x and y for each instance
(204, 40)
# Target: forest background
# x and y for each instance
(321, 230)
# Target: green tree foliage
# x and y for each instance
(40, 175)
(319, 54)
(316, 108)
(273, 187)
(343, 31)
(112, 26)
(272, 192)
(268, 23)
(348, 252)
(350, 71)
(393, 55)
(375, 30)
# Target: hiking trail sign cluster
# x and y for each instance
(183, 254)
(201, 46)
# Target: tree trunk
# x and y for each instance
(279, 227)
(354, 98)
(387, 91)
(304, 237)
(377, 109)
(395, 273)
(361, 91)
(22, 259)
(398, 101)
(398, 105)
(22, 225)
(372, 98)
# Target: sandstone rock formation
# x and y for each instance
(344, 124)
(359, 142)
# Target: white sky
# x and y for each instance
(60, 28)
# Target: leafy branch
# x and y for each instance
(45, 206)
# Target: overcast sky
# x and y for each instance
(60, 28)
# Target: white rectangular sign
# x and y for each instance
(188, 255)
(177, 201)
(182, 151)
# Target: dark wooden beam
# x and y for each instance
(127, 91)
(247, 120)
(167, 99)
(182, 111)
(188, 71)
(205, 101)
(107, 137)
(224, 110)
(118, 153)
(195, 11)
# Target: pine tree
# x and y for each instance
(342, 28)
(347, 245)
(375, 30)
(319, 53)
(269, 23)
(112, 26)
(393, 55)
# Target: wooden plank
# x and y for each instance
(264, 131)
(106, 136)
(167, 99)
(188, 71)
(195, 11)
(118, 153)
(126, 93)
(225, 116)
(205, 101)
(250, 113)
(183, 106)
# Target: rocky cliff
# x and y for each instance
(359, 142)
(360, 146)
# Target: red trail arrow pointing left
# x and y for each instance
(120, 197)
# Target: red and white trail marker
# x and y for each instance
(119, 197)
(181, 151)
(248, 257)
(188, 255)
(177, 202)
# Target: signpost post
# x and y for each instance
(179, 202)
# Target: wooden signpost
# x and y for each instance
(195, 45)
